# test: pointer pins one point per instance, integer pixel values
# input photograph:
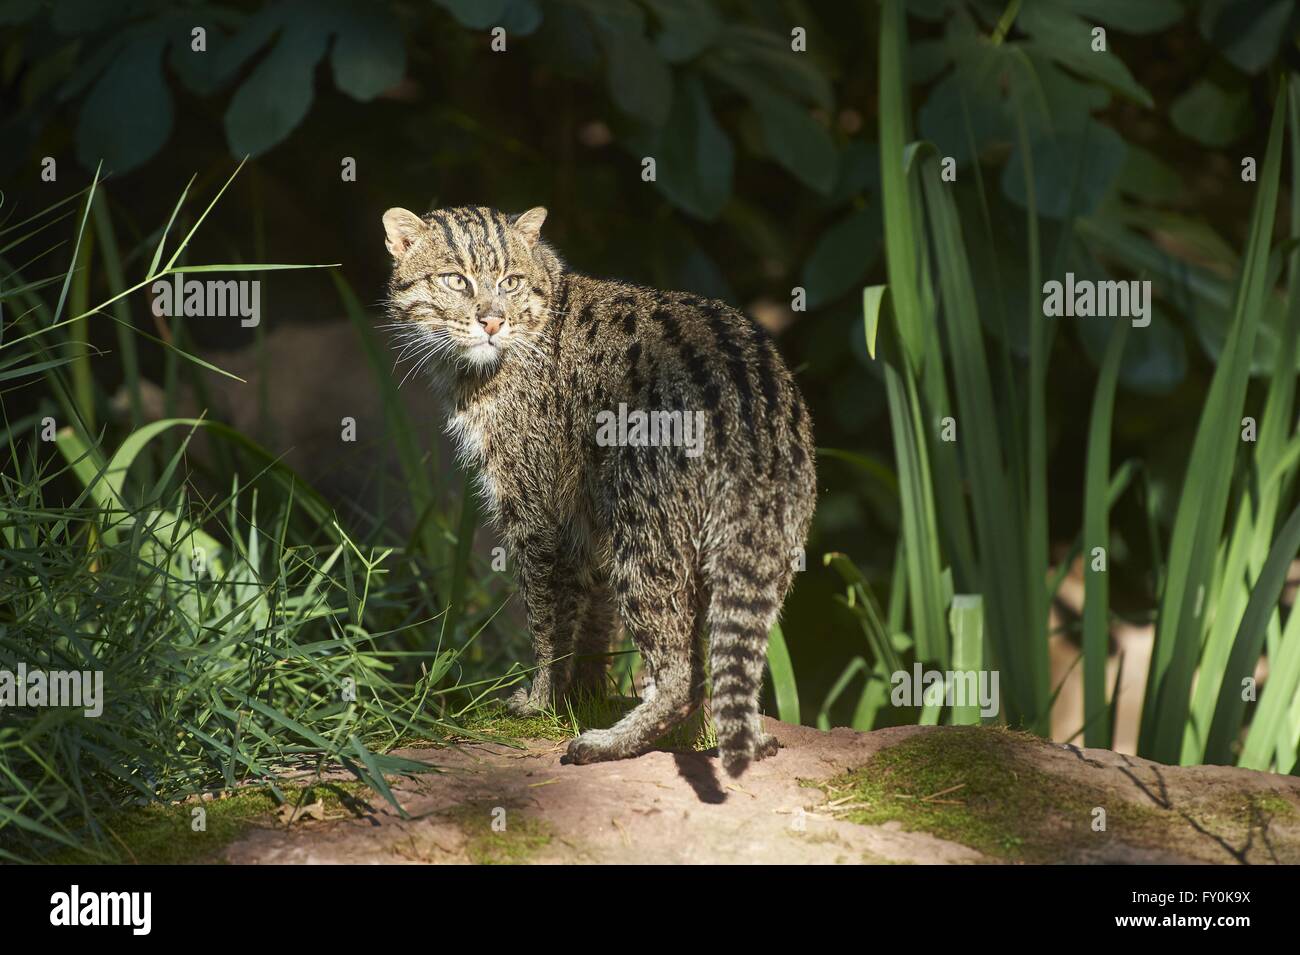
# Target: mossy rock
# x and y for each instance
(499, 835)
(1015, 797)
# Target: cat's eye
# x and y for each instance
(511, 283)
(454, 281)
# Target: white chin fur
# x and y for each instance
(482, 355)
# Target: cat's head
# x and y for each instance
(469, 283)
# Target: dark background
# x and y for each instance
(768, 179)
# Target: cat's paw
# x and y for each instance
(521, 703)
(767, 745)
(593, 746)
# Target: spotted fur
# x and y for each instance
(527, 353)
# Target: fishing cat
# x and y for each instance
(687, 517)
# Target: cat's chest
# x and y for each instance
(507, 436)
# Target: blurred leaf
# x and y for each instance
(522, 17)
(639, 80)
(1067, 39)
(1155, 358)
(476, 14)
(1072, 171)
(695, 157)
(128, 115)
(1068, 100)
(200, 73)
(1205, 298)
(86, 16)
(777, 65)
(954, 103)
(926, 61)
(991, 87)
(1247, 32)
(89, 67)
(687, 28)
(1211, 115)
(617, 16)
(1147, 16)
(1148, 177)
(566, 42)
(698, 273)
(369, 54)
(369, 57)
(842, 256)
(798, 142)
(859, 171)
(277, 94)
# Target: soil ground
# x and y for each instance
(904, 795)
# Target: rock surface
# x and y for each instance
(678, 807)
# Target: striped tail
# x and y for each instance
(738, 627)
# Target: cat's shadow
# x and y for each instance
(700, 770)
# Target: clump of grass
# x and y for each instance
(240, 630)
(263, 656)
(975, 512)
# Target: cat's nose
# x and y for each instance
(492, 322)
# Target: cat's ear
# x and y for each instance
(529, 224)
(401, 229)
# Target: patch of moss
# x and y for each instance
(164, 833)
(1253, 808)
(521, 838)
(975, 786)
(980, 786)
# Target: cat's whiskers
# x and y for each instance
(434, 348)
(420, 344)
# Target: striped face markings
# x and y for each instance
(470, 275)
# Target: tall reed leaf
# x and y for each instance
(1019, 648)
(1203, 502)
(1246, 648)
(1096, 534)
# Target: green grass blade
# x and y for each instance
(1268, 725)
(1096, 534)
(784, 684)
(903, 238)
(967, 621)
(1018, 649)
(1231, 708)
(1204, 498)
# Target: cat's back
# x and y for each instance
(662, 351)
